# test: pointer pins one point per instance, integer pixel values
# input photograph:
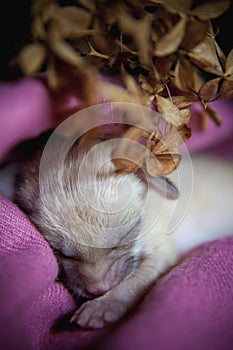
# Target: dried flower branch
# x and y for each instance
(163, 51)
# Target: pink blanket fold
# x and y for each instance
(191, 307)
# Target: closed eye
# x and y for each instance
(61, 255)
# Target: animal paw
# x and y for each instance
(99, 312)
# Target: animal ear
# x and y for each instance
(163, 186)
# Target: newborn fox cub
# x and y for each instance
(109, 230)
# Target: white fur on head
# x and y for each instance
(87, 202)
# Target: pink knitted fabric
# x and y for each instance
(189, 308)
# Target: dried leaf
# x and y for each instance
(205, 57)
(73, 22)
(184, 75)
(196, 30)
(115, 92)
(208, 90)
(42, 11)
(124, 165)
(129, 154)
(179, 6)
(38, 29)
(172, 139)
(211, 9)
(169, 161)
(139, 29)
(53, 77)
(226, 90)
(183, 101)
(135, 91)
(150, 86)
(156, 53)
(162, 65)
(221, 55)
(62, 49)
(187, 116)
(213, 115)
(229, 64)
(169, 111)
(100, 38)
(31, 58)
(153, 166)
(163, 163)
(170, 42)
(203, 120)
(135, 133)
(145, 85)
(87, 4)
(199, 79)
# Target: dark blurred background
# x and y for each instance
(15, 31)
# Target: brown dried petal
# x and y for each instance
(163, 66)
(145, 85)
(169, 111)
(199, 79)
(125, 165)
(172, 139)
(31, 58)
(62, 49)
(134, 89)
(177, 6)
(40, 5)
(170, 42)
(211, 9)
(100, 38)
(153, 166)
(220, 53)
(131, 85)
(38, 29)
(115, 93)
(203, 120)
(87, 4)
(169, 161)
(139, 30)
(73, 21)
(195, 32)
(226, 90)
(209, 89)
(183, 101)
(184, 75)
(135, 133)
(163, 163)
(187, 116)
(229, 63)
(53, 77)
(47, 14)
(214, 115)
(205, 57)
(66, 53)
(129, 156)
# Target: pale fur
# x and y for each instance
(95, 200)
(114, 255)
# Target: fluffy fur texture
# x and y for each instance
(94, 219)
(109, 230)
